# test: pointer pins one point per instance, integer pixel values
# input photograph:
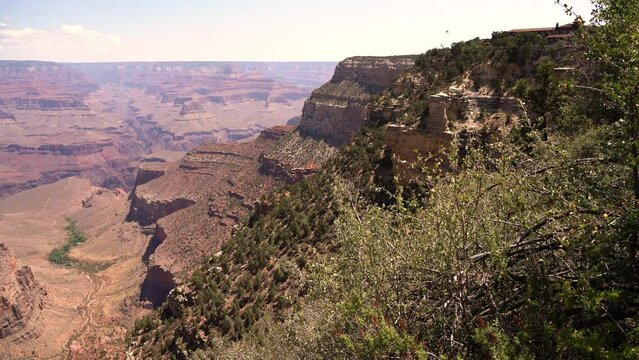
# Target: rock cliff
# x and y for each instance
(59, 149)
(97, 120)
(421, 127)
(21, 299)
(49, 104)
(148, 171)
(193, 208)
(335, 111)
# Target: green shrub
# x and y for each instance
(75, 237)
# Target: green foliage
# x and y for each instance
(75, 237)
(260, 270)
(611, 48)
(512, 56)
(545, 97)
(469, 258)
(524, 249)
(369, 335)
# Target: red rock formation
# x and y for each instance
(276, 133)
(223, 182)
(148, 171)
(21, 299)
(147, 211)
(98, 120)
(191, 108)
(59, 149)
(283, 171)
(49, 104)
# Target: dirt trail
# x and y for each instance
(52, 196)
(86, 310)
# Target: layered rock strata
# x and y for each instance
(97, 120)
(222, 184)
(21, 299)
(339, 108)
(416, 149)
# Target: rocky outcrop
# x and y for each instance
(191, 108)
(414, 149)
(338, 109)
(21, 299)
(464, 105)
(149, 171)
(147, 211)
(276, 133)
(222, 183)
(159, 235)
(419, 147)
(375, 74)
(49, 104)
(59, 149)
(283, 171)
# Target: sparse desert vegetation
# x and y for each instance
(75, 237)
(476, 201)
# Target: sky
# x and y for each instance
(257, 30)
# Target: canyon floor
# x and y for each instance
(91, 297)
(72, 138)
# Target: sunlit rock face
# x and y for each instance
(416, 149)
(339, 108)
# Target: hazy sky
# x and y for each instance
(153, 30)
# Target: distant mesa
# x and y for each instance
(97, 120)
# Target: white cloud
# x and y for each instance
(78, 31)
(63, 44)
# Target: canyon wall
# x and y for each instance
(193, 208)
(99, 120)
(21, 299)
(419, 146)
(335, 111)
(414, 149)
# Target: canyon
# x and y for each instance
(159, 175)
(76, 138)
(192, 207)
(103, 137)
(97, 121)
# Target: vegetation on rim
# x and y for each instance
(524, 247)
